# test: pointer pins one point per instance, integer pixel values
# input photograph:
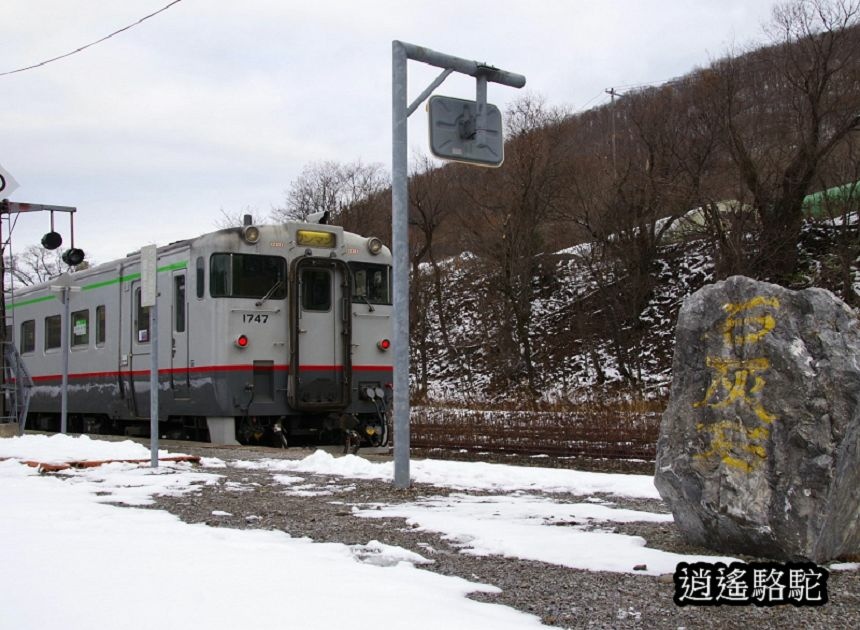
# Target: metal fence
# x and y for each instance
(600, 432)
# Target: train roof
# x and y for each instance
(349, 239)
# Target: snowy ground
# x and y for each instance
(73, 559)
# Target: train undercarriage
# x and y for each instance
(351, 430)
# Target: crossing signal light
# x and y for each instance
(73, 257)
(52, 240)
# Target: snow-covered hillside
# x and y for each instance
(578, 350)
(591, 336)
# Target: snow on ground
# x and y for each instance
(470, 475)
(57, 449)
(574, 535)
(72, 561)
(514, 524)
(105, 566)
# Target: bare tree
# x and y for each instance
(832, 234)
(507, 229)
(229, 219)
(629, 201)
(431, 204)
(36, 265)
(783, 110)
(332, 187)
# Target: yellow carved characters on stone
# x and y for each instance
(737, 385)
(740, 381)
(765, 320)
(734, 444)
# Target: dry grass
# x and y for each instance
(622, 429)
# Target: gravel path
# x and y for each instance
(559, 596)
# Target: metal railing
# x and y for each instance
(16, 387)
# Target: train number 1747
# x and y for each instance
(260, 318)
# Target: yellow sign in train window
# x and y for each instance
(314, 238)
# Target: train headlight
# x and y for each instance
(383, 344)
(241, 341)
(251, 234)
(374, 245)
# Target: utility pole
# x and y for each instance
(612, 93)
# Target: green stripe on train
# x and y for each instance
(98, 285)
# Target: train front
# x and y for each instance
(315, 328)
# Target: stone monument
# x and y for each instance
(759, 448)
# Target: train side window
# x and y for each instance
(141, 319)
(219, 275)
(53, 332)
(201, 285)
(179, 303)
(80, 326)
(100, 325)
(28, 336)
(316, 289)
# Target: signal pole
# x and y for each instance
(51, 240)
(400, 111)
(2, 317)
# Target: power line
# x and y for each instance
(98, 41)
(590, 101)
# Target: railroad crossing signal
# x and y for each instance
(7, 183)
(51, 240)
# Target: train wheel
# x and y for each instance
(250, 431)
(352, 442)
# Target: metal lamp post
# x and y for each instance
(483, 73)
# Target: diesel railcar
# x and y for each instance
(271, 331)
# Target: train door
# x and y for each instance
(179, 376)
(125, 407)
(320, 363)
(139, 362)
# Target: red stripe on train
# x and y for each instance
(215, 368)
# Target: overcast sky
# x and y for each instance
(216, 105)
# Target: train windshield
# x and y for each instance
(248, 276)
(371, 283)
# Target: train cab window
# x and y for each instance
(248, 276)
(316, 289)
(53, 332)
(371, 283)
(141, 319)
(80, 328)
(201, 270)
(28, 336)
(179, 303)
(101, 321)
